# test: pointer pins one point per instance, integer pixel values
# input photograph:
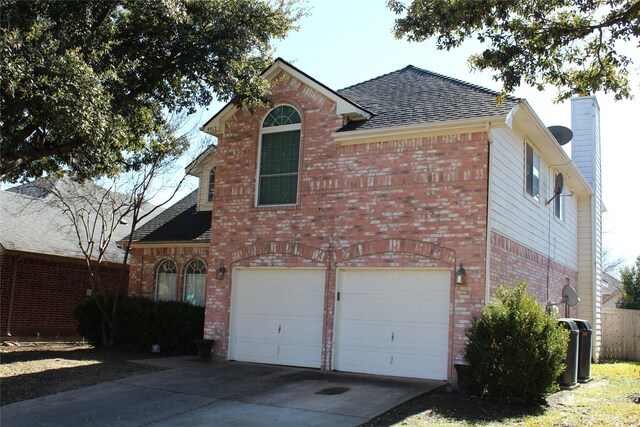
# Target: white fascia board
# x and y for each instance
(480, 124)
(171, 244)
(343, 106)
(524, 120)
(195, 167)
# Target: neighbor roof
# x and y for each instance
(179, 223)
(34, 225)
(31, 221)
(413, 96)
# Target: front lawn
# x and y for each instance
(608, 400)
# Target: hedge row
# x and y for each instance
(141, 322)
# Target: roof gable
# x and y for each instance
(180, 222)
(344, 106)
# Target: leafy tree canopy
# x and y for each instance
(630, 298)
(87, 85)
(571, 44)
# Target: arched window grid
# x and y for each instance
(195, 282)
(166, 277)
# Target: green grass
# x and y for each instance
(605, 401)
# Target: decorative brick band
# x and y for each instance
(513, 247)
(357, 250)
(271, 248)
(371, 247)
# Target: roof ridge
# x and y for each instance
(462, 82)
(373, 78)
(434, 74)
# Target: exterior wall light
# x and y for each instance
(221, 272)
(460, 275)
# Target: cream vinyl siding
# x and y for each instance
(585, 152)
(517, 215)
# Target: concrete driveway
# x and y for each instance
(220, 393)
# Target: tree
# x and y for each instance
(630, 298)
(571, 44)
(84, 84)
(96, 213)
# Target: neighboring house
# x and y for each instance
(610, 291)
(43, 273)
(362, 229)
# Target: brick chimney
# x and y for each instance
(585, 153)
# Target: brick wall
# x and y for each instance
(145, 261)
(46, 292)
(512, 262)
(411, 202)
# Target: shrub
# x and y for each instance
(515, 349)
(141, 322)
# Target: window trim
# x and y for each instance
(210, 184)
(271, 130)
(534, 198)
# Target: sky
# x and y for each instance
(344, 42)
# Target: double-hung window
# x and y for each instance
(212, 181)
(532, 160)
(279, 157)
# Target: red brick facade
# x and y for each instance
(404, 203)
(145, 261)
(45, 293)
(512, 263)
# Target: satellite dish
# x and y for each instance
(570, 296)
(557, 187)
(561, 134)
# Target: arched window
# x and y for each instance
(279, 157)
(212, 180)
(195, 279)
(166, 281)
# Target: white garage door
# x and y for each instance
(393, 322)
(276, 316)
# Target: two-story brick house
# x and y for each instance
(341, 219)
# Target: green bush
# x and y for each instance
(141, 322)
(515, 349)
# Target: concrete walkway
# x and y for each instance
(220, 393)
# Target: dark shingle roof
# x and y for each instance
(413, 96)
(180, 222)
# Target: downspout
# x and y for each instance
(487, 267)
(12, 299)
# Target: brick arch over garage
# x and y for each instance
(279, 248)
(372, 247)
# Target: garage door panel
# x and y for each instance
(277, 316)
(393, 322)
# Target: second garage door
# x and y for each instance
(393, 322)
(276, 316)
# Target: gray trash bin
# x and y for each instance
(569, 378)
(584, 350)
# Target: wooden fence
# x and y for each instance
(621, 334)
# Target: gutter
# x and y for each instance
(14, 282)
(487, 268)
